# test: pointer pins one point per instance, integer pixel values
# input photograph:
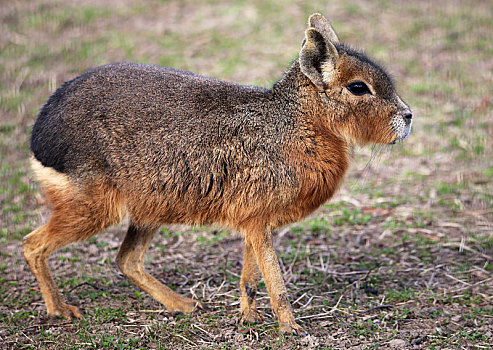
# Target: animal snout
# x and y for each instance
(408, 117)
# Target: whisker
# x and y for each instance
(376, 152)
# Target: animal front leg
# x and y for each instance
(248, 285)
(261, 242)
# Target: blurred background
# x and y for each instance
(436, 187)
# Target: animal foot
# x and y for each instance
(200, 307)
(66, 311)
(251, 316)
(292, 328)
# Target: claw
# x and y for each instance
(293, 328)
(200, 308)
(303, 333)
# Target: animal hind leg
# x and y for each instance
(62, 228)
(78, 213)
(130, 261)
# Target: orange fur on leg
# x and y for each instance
(130, 260)
(77, 214)
(261, 242)
(248, 285)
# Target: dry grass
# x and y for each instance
(402, 257)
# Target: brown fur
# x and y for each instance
(165, 146)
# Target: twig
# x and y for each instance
(430, 281)
(374, 308)
(309, 264)
(177, 243)
(50, 325)
(182, 337)
(352, 201)
(465, 247)
(323, 314)
(478, 212)
(85, 283)
(186, 279)
(483, 281)
(24, 334)
(301, 297)
(337, 304)
(472, 285)
(200, 336)
(232, 273)
(456, 279)
(341, 273)
(308, 302)
(341, 320)
(203, 330)
(153, 311)
(216, 291)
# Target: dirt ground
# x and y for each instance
(401, 257)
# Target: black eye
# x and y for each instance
(358, 88)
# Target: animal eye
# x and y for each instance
(358, 88)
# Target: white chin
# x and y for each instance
(405, 133)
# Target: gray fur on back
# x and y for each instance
(173, 127)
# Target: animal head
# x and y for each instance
(356, 94)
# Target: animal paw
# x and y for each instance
(200, 307)
(66, 311)
(292, 328)
(251, 316)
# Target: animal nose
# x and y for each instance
(408, 116)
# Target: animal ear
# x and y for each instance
(318, 58)
(321, 24)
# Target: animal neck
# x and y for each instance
(319, 153)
